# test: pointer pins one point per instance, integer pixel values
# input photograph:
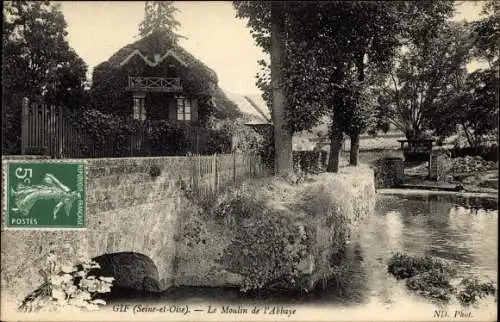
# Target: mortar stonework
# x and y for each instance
(127, 210)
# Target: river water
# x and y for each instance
(464, 232)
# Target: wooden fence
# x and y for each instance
(210, 174)
(51, 130)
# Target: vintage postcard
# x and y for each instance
(249, 161)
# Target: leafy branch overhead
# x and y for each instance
(337, 56)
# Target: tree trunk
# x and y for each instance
(467, 135)
(282, 135)
(354, 153)
(337, 138)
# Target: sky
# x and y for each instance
(98, 29)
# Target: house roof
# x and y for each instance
(252, 106)
(158, 59)
(155, 48)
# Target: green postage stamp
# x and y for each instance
(44, 194)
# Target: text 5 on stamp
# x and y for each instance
(45, 195)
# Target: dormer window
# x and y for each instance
(183, 109)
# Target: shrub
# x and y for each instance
(152, 137)
(284, 235)
(433, 284)
(472, 290)
(430, 277)
(404, 266)
(67, 286)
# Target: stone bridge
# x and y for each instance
(132, 222)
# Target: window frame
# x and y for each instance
(139, 108)
(184, 109)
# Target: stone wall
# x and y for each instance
(128, 210)
(137, 212)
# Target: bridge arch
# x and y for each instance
(134, 273)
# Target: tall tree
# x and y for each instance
(472, 106)
(160, 16)
(282, 133)
(328, 45)
(425, 73)
(37, 62)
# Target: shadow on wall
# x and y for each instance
(136, 275)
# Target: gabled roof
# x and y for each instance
(154, 49)
(158, 59)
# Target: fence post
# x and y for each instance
(214, 173)
(194, 173)
(234, 167)
(24, 125)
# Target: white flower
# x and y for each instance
(56, 280)
(92, 307)
(80, 274)
(77, 302)
(98, 301)
(68, 269)
(104, 288)
(58, 294)
(66, 278)
(70, 289)
(83, 295)
(107, 279)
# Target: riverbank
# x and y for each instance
(368, 292)
(294, 233)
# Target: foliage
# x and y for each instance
(68, 285)
(486, 32)
(471, 290)
(342, 42)
(192, 230)
(37, 62)
(159, 16)
(267, 246)
(37, 59)
(432, 284)
(404, 266)
(283, 235)
(431, 278)
(110, 80)
(425, 76)
(224, 107)
(160, 137)
(474, 108)
(310, 161)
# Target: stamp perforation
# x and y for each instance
(6, 169)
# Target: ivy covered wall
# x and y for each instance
(110, 79)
